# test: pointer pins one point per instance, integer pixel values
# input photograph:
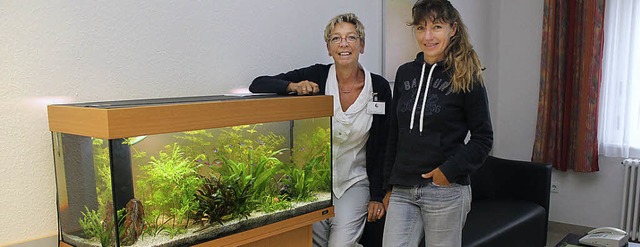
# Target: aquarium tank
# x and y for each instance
(186, 171)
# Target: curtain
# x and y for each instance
(619, 122)
(572, 44)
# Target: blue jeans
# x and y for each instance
(436, 213)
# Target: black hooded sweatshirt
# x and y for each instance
(413, 150)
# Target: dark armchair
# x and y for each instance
(510, 206)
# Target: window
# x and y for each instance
(619, 112)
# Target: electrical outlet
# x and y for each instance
(555, 188)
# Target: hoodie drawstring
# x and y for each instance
(424, 97)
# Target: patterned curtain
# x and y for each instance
(570, 72)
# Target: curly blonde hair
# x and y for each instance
(348, 18)
(461, 60)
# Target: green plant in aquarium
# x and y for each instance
(221, 200)
(232, 142)
(102, 166)
(168, 186)
(97, 225)
(296, 183)
(264, 168)
(91, 223)
(197, 142)
(260, 171)
(243, 143)
(311, 170)
(313, 153)
(102, 171)
(271, 203)
(319, 169)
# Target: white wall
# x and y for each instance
(76, 51)
(478, 16)
(588, 199)
(518, 44)
(399, 43)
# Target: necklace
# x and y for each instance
(357, 79)
(344, 90)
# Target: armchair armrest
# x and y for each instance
(503, 179)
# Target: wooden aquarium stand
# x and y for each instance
(63, 244)
(293, 232)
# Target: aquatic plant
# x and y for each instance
(91, 223)
(97, 225)
(234, 143)
(221, 200)
(243, 143)
(264, 169)
(102, 167)
(235, 171)
(197, 142)
(295, 183)
(313, 153)
(168, 186)
(102, 171)
(260, 169)
(244, 174)
(240, 153)
(319, 169)
(270, 203)
(311, 144)
(273, 178)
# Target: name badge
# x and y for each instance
(375, 108)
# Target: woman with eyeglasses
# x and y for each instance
(438, 98)
(359, 136)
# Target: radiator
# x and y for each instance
(631, 198)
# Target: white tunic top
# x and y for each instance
(350, 133)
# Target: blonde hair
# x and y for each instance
(348, 18)
(461, 60)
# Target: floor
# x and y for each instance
(557, 231)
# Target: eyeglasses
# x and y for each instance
(337, 39)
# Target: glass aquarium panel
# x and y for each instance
(190, 187)
(83, 175)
